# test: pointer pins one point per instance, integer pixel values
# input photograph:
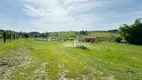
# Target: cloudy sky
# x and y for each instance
(65, 15)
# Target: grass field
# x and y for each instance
(41, 60)
(103, 34)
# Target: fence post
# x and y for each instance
(4, 36)
(14, 36)
(10, 36)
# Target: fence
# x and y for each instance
(8, 36)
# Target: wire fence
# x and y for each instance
(8, 36)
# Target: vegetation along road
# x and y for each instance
(28, 59)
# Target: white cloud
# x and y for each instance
(60, 15)
(75, 6)
(57, 15)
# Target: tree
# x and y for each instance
(43, 35)
(113, 30)
(34, 34)
(26, 35)
(138, 20)
(118, 39)
(83, 32)
(132, 33)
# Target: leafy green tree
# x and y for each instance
(118, 39)
(132, 33)
(83, 32)
(34, 34)
(26, 35)
(43, 35)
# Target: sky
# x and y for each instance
(66, 15)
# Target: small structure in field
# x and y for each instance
(55, 38)
(42, 38)
(71, 39)
(47, 38)
(90, 38)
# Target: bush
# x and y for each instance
(82, 47)
(118, 39)
(133, 32)
(26, 35)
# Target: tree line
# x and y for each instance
(8, 35)
(131, 33)
(12, 35)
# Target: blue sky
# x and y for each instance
(65, 15)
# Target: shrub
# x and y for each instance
(82, 47)
(132, 33)
(26, 35)
(118, 39)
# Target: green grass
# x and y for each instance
(103, 34)
(102, 61)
